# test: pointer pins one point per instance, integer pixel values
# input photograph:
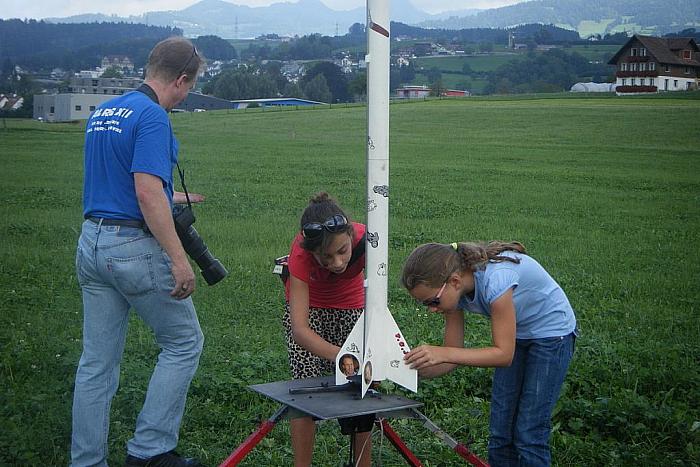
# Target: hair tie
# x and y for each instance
(454, 246)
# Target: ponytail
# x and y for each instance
(433, 263)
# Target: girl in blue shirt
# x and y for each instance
(532, 329)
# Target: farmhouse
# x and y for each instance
(417, 92)
(11, 102)
(651, 64)
(413, 92)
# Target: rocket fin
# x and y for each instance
(386, 347)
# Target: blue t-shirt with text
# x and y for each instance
(126, 135)
(541, 306)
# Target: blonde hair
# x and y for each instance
(173, 57)
(432, 264)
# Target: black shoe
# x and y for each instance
(167, 459)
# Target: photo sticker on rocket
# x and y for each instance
(382, 190)
(367, 372)
(373, 239)
(348, 365)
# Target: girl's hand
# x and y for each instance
(426, 356)
(180, 198)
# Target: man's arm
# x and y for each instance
(158, 216)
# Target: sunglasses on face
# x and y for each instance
(333, 224)
(434, 301)
(194, 54)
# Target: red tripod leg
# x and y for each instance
(455, 445)
(251, 441)
(398, 443)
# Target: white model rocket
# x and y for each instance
(376, 342)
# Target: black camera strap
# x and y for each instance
(147, 90)
(182, 181)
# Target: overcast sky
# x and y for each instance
(59, 8)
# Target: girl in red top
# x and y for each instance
(325, 296)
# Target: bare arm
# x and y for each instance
(453, 340)
(179, 197)
(299, 314)
(158, 216)
(430, 359)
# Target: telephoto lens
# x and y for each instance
(212, 269)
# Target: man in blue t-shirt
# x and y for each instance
(129, 256)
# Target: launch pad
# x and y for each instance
(321, 399)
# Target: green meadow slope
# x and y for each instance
(603, 191)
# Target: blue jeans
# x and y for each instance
(119, 268)
(523, 398)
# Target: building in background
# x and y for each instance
(651, 64)
(417, 92)
(11, 102)
(412, 92)
(108, 86)
(66, 107)
(83, 96)
(121, 63)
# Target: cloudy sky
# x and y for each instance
(58, 8)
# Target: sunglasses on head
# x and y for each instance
(194, 54)
(434, 301)
(333, 224)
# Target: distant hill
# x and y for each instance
(586, 16)
(495, 35)
(231, 21)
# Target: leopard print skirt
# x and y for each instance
(332, 324)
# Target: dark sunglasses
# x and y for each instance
(333, 224)
(194, 54)
(434, 301)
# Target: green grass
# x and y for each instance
(595, 52)
(588, 28)
(455, 81)
(601, 193)
(455, 63)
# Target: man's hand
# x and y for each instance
(184, 280)
(158, 216)
(180, 198)
(426, 356)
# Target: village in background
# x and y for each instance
(58, 72)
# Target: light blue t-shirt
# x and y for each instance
(125, 135)
(541, 307)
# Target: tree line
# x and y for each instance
(551, 71)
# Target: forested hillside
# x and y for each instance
(38, 45)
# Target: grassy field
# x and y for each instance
(455, 63)
(603, 191)
(595, 52)
(454, 81)
(451, 67)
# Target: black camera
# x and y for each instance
(212, 269)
